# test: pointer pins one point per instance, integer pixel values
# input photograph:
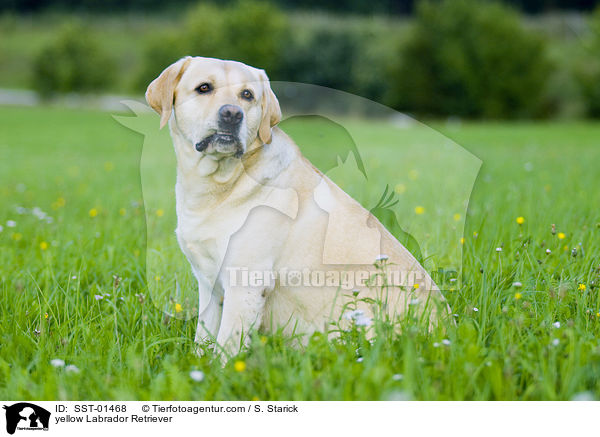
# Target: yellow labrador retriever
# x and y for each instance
(272, 241)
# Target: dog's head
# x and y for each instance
(220, 107)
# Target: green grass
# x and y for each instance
(73, 163)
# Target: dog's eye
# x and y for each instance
(247, 95)
(204, 88)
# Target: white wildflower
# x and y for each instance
(72, 368)
(517, 284)
(98, 297)
(398, 377)
(382, 257)
(363, 321)
(57, 362)
(555, 342)
(353, 315)
(11, 223)
(475, 309)
(585, 396)
(446, 342)
(197, 375)
(498, 249)
(38, 213)
(556, 324)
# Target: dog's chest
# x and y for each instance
(204, 238)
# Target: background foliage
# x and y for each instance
(464, 58)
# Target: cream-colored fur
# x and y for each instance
(269, 210)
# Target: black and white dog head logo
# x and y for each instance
(26, 416)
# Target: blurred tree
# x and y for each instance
(73, 61)
(469, 58)
(587, 68)
(249, 31)
(345, 6)
(324, 56)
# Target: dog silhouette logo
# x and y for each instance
(26, 416)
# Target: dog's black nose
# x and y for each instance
(230, 114)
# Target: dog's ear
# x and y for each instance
(160, 92)
(271, 112)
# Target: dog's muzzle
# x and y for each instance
(227, 135)
(221, 143)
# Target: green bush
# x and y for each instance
(73, 62)
(587, 70)
(323, 56)
(469, 58)
(250, 31)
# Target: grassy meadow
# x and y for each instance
(73, 278)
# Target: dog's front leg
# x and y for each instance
(209, 320)
(243, 309)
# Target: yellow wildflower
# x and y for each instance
(93, 212)
(43, 245)
(581, 287)
(419, 210)
(561, 235)
(518, 296)
(178, 308)
(520, 220)
(239, 366)
(160, 212)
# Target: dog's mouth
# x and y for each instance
(222, 144)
